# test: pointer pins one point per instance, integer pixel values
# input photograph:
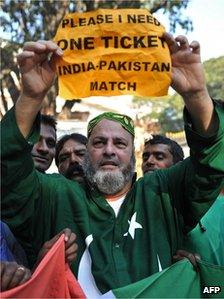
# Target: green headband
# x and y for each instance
(125, 121)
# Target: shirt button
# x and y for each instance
(117, 245)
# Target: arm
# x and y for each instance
(17, 138)
(195, 183)
(189, 81)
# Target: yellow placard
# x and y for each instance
(112, 52)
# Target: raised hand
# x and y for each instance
(187, 69)
(13, 275)
(37, 67)
(188, 80)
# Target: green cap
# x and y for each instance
(125, 121)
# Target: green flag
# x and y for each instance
(178, 281)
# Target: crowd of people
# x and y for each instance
(128, 228)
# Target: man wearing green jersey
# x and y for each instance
(126, 229)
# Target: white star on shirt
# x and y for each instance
(133, 226)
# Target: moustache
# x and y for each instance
(108, 162)
(74, 169)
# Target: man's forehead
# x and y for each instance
(109, 128)
(47, 131)
(72, 144)
(157, 147)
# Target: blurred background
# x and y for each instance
(200, 20)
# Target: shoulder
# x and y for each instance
(58, 183)
(163, 177)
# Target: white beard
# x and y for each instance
(109, 182)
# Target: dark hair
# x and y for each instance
(74, 136)
(48, 120)
(175, 149)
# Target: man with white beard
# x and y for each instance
(118, 221)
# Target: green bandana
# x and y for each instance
(126, 122)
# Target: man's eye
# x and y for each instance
(145, 157)
(81, 154)
(62, 158)
(51, 143)
(160, 157)
(98, 143)
(120, 144)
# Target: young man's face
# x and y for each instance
(43, 151)
(156, 156)
(110, 150)
(70, 160)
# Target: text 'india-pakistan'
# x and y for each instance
(104, 65)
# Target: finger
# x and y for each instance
(177, 258)
(183, 41)
(72, 249)
(24, 55)
(7, 275)
(69, 259)
(51, 46)
(28, 56)
(2, 268)
(17, 277)
(67, 233)
(43, 47)
(172, 44)
(53, 62)
(195, 46)
(26, 277)
(188, 255)
(34, 47)
(70, 241)
(192, 259)
(182, 252)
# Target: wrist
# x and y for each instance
(26, 110)
(199, 95)
(32, 99)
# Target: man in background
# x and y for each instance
(70, 152)
(43, 151)
(160, 152)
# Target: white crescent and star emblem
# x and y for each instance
(133, 225)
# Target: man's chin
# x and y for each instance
(77, 178)
(41, 167)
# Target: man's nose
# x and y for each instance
(151, 160)
(109, 149)
(74, 158)
(42, 147)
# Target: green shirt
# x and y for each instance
(208, 237)
(151, 223)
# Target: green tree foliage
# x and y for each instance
(214, 71)
(34, 20)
